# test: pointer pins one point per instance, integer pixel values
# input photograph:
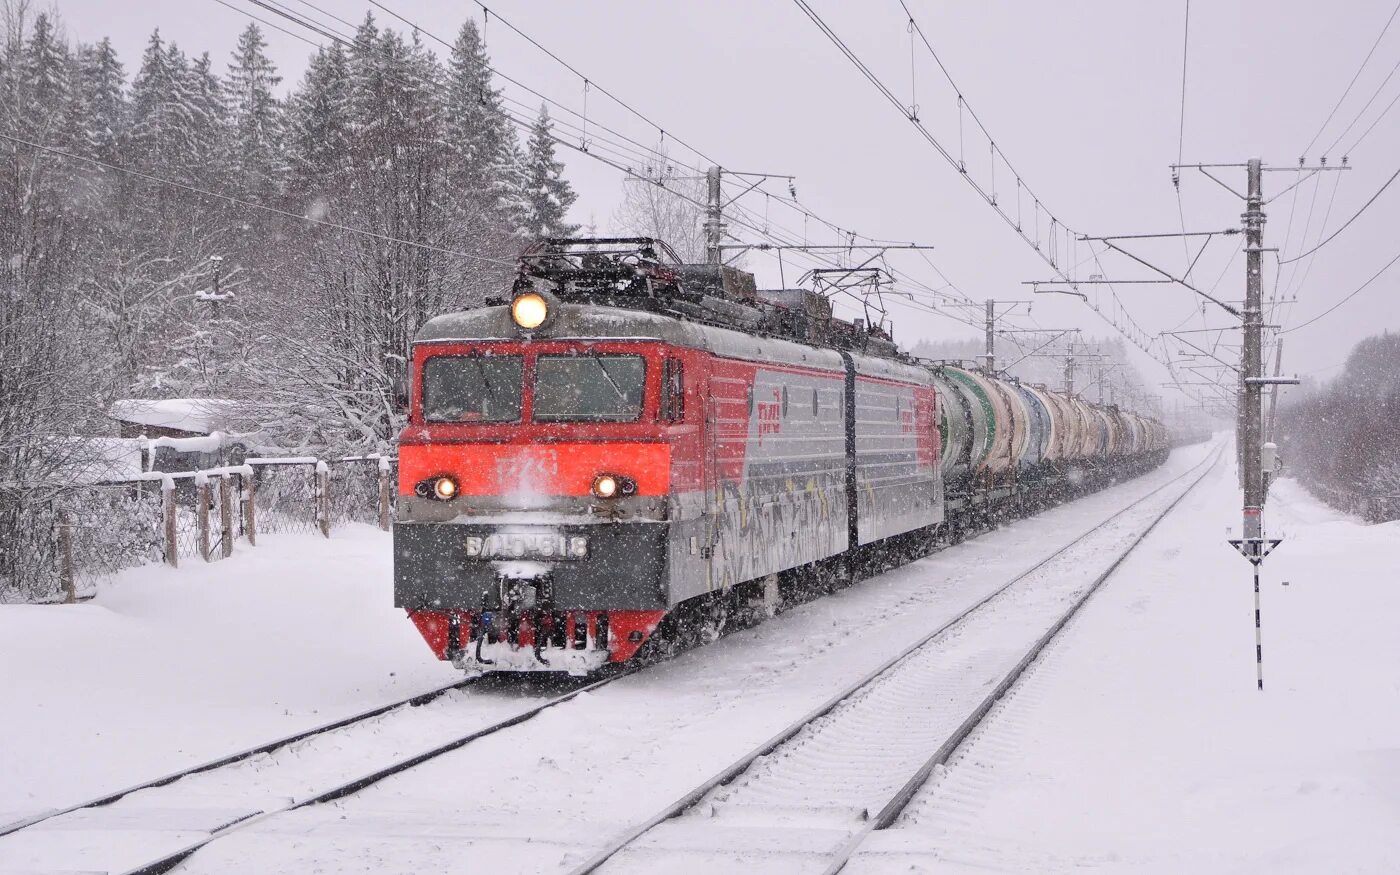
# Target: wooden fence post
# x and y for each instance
(201, 497)
(172, 543)
(384, 494)
(65, 558)
(250, 501)
(323, 499)
(226, 514)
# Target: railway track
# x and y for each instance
(153, 826)
(231, 759)
(807, 798)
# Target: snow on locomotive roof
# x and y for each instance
(594, 322)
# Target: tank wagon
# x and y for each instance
(627, 439)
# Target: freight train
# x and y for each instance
(628, 439)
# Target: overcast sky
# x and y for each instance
(1083, 97)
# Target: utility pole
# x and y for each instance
(989, 360)
(1072, 365)
(1249, 423)
(1252, 360)
(215, 297)
(714, 216)
(991, 336)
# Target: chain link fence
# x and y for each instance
(61, 542)
(357, 490)
(285, 495)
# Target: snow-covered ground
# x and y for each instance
(1139, 742)
(167, 668)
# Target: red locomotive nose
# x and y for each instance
(540, 470)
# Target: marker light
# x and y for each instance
(529, 310)
(605, 486)
(445, 488)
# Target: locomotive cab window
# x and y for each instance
(589, 388)
(673, 391)
(475, 388)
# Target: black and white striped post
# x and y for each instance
(1255, 549)
(1258, 632)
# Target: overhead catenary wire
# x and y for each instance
(266, 23)
(754, 226)
(622, 153)
(1050, 257)
(1345, 224)
(1364, 61)
(1377, 275)
(1377, 93)
(1307, 268)
(1185, 45)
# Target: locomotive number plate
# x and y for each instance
(519, 545)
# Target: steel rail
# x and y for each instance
(173, 859)
(902, 797)
(266, 747)
(170, 860)
(740, 765)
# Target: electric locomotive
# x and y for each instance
(627, 437)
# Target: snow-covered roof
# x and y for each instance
(87, 460)
(198, 415)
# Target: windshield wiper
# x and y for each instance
(626, 403)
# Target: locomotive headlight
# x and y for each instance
(606, 486)
(613, 485)
(443, 488)
(529, 310)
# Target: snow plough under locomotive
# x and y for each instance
(627, 438)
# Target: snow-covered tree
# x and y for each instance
(664, 204)
(102, 83)
(548, 194)
(209, 140)
(256, 118)
(319, 130)
(484, 171)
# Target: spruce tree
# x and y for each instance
(484, 172)
(318, 128)
(45, 73)
(102, 81)
(256, 118)
(209, 135)
(160, 111)
(548, 194)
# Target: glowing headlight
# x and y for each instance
(529, 310)
(605, 486)
(445, 488)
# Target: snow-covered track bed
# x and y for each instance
(153, 826)
(233, 758)
(552, 791)
(806, 799)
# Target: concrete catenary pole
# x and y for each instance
(991, 337)
(714, 216)
(1251, 407)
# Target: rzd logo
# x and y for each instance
(532, 472)
(770, 416)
